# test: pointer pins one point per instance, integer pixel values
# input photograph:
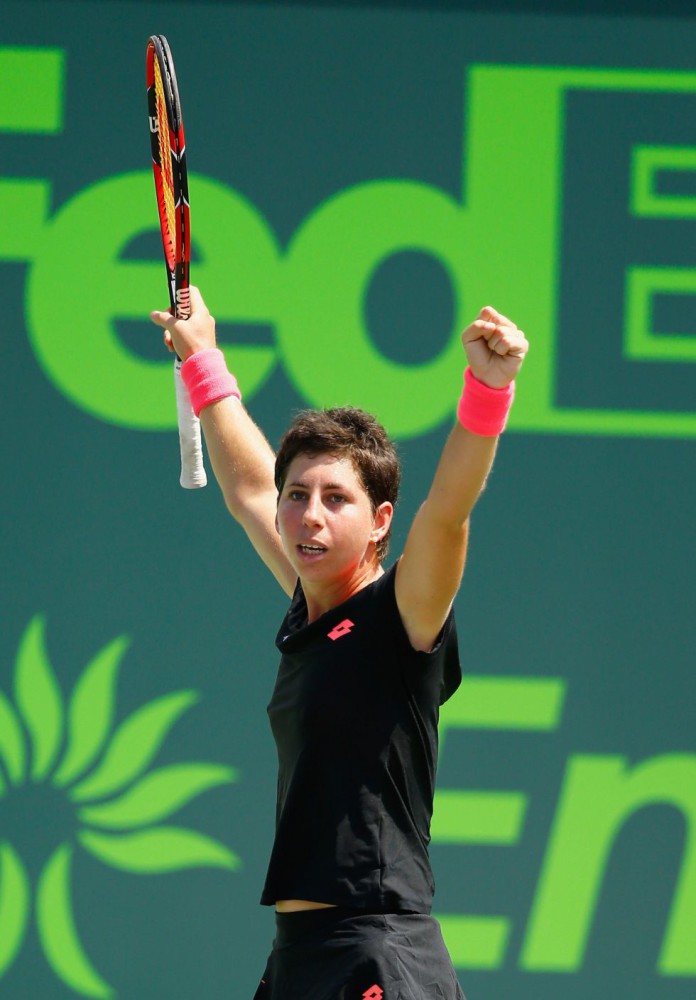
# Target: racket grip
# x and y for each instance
(193, 475)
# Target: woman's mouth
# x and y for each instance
(312, 550)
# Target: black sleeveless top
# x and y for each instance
(354, 714)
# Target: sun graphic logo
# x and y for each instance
(104, 799)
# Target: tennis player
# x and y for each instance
(368, 655)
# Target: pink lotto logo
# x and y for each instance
(374, 993)
(343, 628)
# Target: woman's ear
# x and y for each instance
(382, 520)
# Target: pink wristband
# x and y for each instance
(483, 410)
(206, 377)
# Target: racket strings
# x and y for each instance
(166, 192)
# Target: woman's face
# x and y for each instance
(325, 518)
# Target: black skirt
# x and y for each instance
(344, 954)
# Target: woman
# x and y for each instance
(367, 658)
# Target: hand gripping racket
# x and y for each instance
(171, 186)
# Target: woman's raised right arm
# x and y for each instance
(242, 459)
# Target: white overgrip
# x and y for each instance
(192, 469)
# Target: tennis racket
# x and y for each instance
(171, 187)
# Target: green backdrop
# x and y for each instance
(364, 179)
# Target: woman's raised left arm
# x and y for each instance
(430, 570)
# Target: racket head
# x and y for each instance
(168, 147)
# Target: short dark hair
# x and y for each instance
(346, 432)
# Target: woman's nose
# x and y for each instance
(312, 511)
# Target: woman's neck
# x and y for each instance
(325, 595)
